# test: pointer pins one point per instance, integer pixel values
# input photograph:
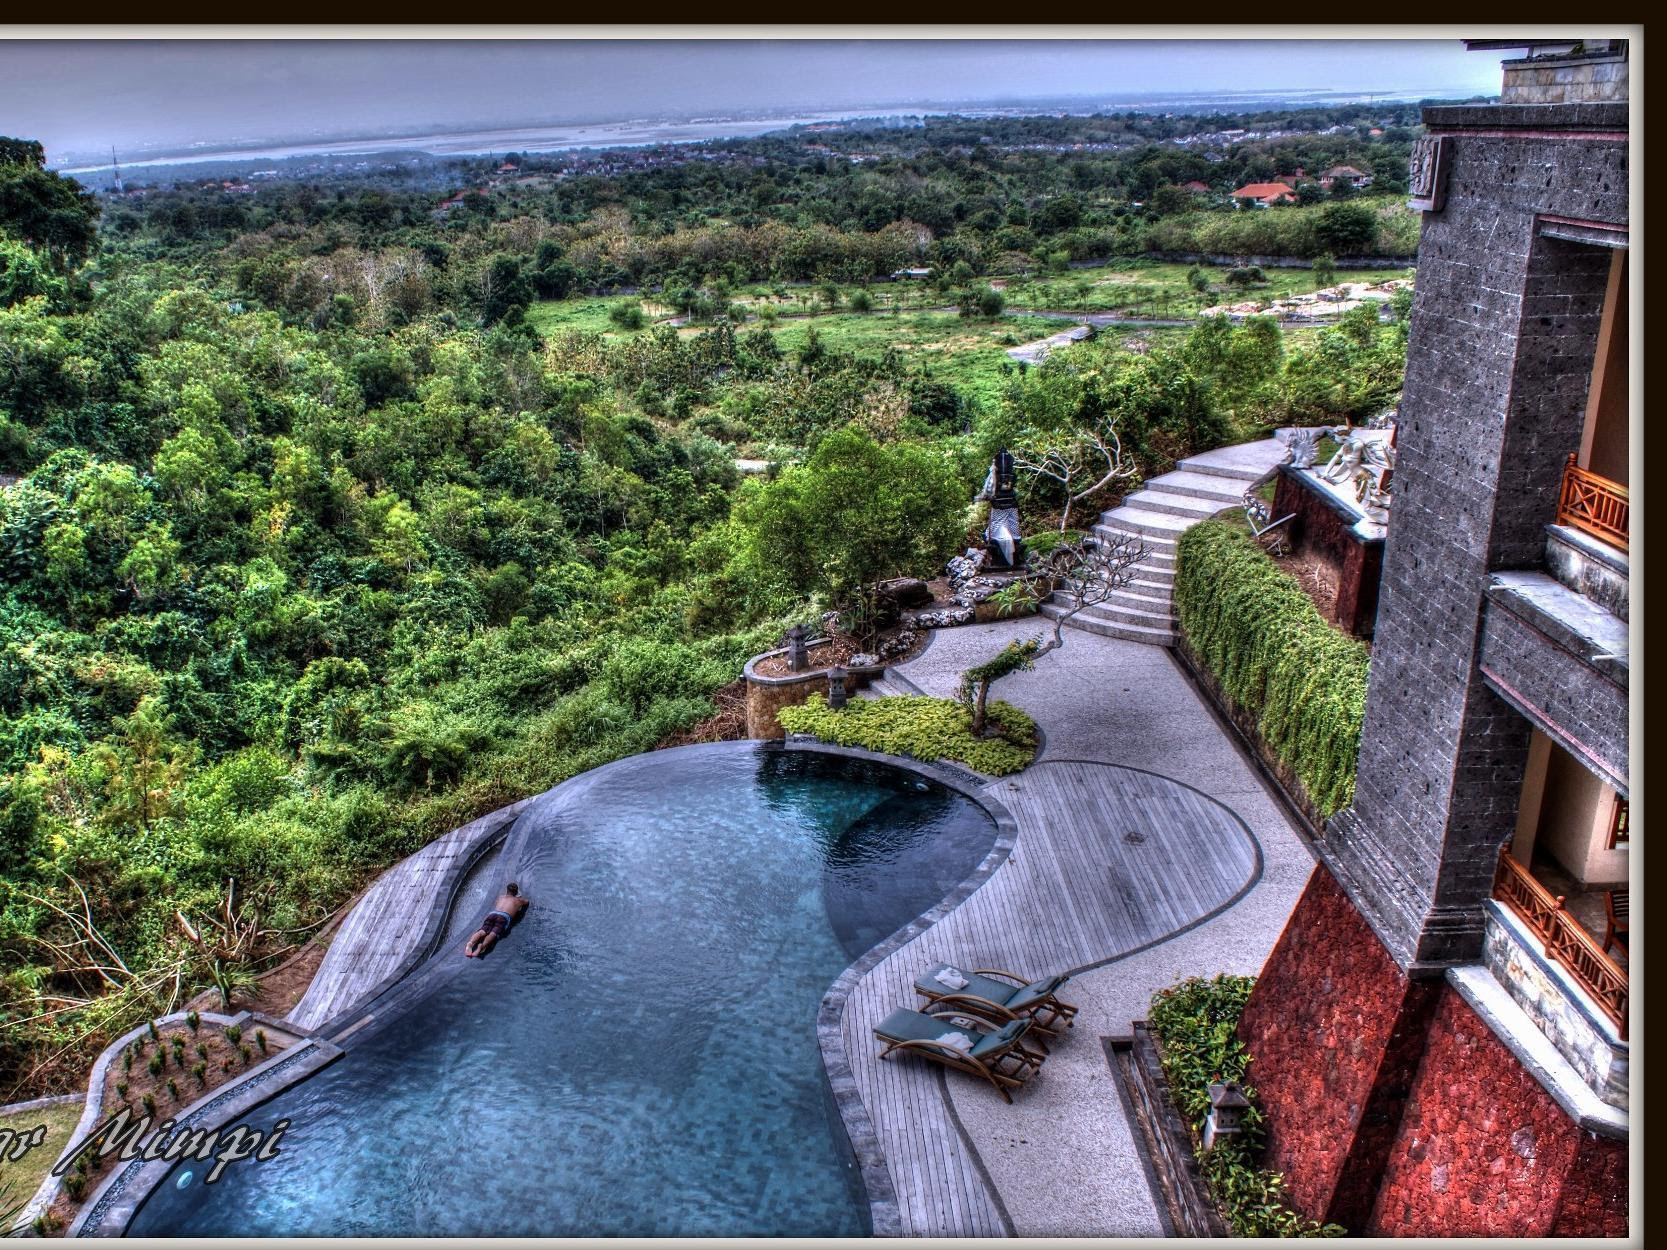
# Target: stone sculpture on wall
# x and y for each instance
(1365, 458)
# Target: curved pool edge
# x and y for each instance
(321, 1046)
(477, 838)
(885, 1214)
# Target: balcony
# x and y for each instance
(1577, 954)
(1594, 505)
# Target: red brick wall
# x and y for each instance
(1335, 1030)
(1483, 1150)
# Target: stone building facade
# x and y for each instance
(1403, 1027)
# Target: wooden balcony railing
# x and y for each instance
(1594, 504)
(1566, 942)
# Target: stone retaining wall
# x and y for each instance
(766, 696)
(1504, 1160)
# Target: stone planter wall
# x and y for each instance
(94, 1114)
(766, 696)
(1324, 529)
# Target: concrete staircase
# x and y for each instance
(890, 683)
(1158, 514)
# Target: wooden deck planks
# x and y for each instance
(1074, 892)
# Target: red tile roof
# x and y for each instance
(1264, 191)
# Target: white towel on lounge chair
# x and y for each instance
(951, 978)
(956, 1041)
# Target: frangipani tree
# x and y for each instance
(1083, 460)
(1083, 570)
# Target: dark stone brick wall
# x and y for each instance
(1580, 707)
(1503, 333)
(1334, 1029)
(1483, 1151)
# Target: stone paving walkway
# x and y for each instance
(1064, 1160)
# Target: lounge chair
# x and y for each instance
(997, 1056)
(1000, 996)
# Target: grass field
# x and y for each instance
(1162, 289)
(20, 1178)
(588, 316)
(968, 355)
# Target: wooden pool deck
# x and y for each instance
(1107, 860)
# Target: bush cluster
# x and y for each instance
(1197, 1020)
(1252, 626)
(920, 727)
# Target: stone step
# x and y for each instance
(1190, 507)
(1124, 612)
(1112, 629)
(1160, 604)
(1152, 582)
(880, 688)
(1247, 462)
(1228, 490)
(1163, 527)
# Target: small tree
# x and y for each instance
(1015, 657)
(1325, 270)
(1083, 461)
(1084, 571)
(855, 513)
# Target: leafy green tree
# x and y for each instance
(506, 291)
(853, 514)
(144, 769)
(24, 272)
(46, 210)
(985, 302)
(1347, 229)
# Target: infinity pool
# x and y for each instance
(638, 1057)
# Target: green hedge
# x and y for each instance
(1304, 681)
(919, 727)
(1197, 1022)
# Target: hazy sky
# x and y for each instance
(84, 95)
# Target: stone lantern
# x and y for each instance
(1227, 1107)
(798, 655)
(836, 687)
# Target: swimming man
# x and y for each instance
(505, 912)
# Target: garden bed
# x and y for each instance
(195, 1061)
(1195, 1025)
(823, 655)
(921, 728)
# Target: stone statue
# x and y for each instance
(1302, 443)
(1001, 532)
(1364, 458)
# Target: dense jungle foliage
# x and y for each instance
(313, 544)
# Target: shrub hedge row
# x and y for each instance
(922, 728)
(1252, 626)
(1197, 1022)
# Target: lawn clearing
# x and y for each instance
(19, 1178)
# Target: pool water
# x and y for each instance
(639, 1056)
